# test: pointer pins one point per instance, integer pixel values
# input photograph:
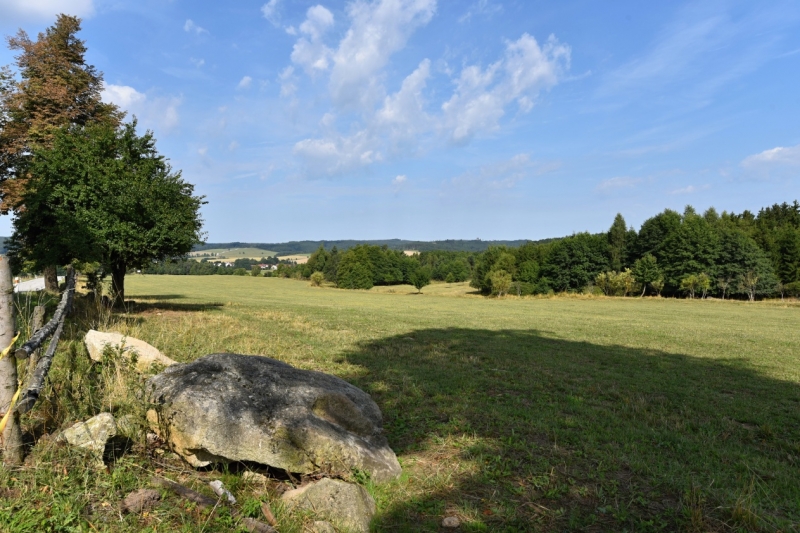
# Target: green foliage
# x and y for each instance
(317, 278)
(255, 271)
(354, 272)
(240, 272)
(575, 261)
(616, 283)
(646, 271)
(500, 281)
(420, 278)
(105, 195)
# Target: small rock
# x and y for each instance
(146, 355)
(342, 503)
(321, 526)
(140, 500)
(220, 490)
(91, 434)
(451, 522)
(254, 477)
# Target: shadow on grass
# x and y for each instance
(159, 296)
(142, 307)
(558, 435)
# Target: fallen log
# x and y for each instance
(36, 382)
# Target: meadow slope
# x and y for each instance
(568, 413)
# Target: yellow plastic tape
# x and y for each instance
(10, 410)
(13, 341)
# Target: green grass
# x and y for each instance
(553, 414)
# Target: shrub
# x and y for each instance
(421, 278)
(316, 279)
(240, 272)
(255, 271)
(501, 282)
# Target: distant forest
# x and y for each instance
(725, 255)
(307, 247)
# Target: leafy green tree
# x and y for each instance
(738, 255)
(646, 271)
(105, 194)
(354, 272)
(240, 272)
(655, 231)
(255, 271)
(575, 261)
(689, 284)
(691, 249)
(420, 278)
(500, 281)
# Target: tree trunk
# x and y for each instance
(12, 435)
(644, 289)
(36, 325)
(51, 279)
(118, 284)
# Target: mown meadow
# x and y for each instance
(514, 414)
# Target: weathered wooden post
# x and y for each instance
(12, 435)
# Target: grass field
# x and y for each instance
(232, 253)
(559, 414)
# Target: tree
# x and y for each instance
(646, 271)
(255, 271)
(56, 88)
(724, 284)
(616, 243)
(689, 284)
(105, 194)
(421, 278)
(748, 282)
(691, 249)
(575, 261)
(501, 282)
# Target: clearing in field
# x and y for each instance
(584, 414)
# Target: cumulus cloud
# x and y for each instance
(309, 50)
(157, 112)
(399, 180)
(377, 31)
(245, 82)
(270, 12)
(482, 95)
(45, 10)
(774, 162)
(382, 125)
(190, 27)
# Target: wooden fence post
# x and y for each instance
(12, 435)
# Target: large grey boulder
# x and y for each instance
(230, 407)
(345, 504)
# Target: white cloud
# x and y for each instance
(245, 83)
(775, 156)
(197, 62)
(377, 31)
(270, 12)
(481, 8)
(481, 96)
(338, 154)
(501, 175)
(202, 151)
(309, 50)
(618, 182)
(690, 189)
(287, 79)
(45, 10)
(189, 26)
(158, 112)
(399, 180)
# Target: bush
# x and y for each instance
(255, 271)
(240, 272)
(353, 275)
(792, 289)
(421, 278)
(316, 279)
(501, 282)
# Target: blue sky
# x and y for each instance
(428, 120)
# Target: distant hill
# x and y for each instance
(307, 247)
